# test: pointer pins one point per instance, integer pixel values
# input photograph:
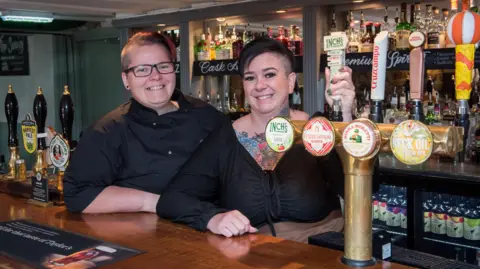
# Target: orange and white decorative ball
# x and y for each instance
(464, 28)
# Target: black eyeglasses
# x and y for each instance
(145, 70)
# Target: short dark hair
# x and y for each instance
(143, 39)
(260, 46)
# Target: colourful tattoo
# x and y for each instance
(257, 146)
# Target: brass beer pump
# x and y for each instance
(358, 144)
(40, 115)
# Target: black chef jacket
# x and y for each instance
(222, 176)
(134, 147)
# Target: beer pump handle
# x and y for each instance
(40, 115)
(67, 115)
(11, 113)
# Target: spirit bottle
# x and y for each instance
(367, 39)
(403, 30)
(433, 30)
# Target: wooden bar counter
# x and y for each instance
(170, 245)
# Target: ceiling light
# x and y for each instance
(358, 1)
(220, 19)
(26, 19)
(281, 11)
(161, 24)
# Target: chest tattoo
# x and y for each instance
(257, 146)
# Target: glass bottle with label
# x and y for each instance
(353, 42)
(401, 114)
(291, 40)
(471, 225)
(437, 112)
(237, 46)
(430, 117)
(383, 199)
(333, 25)
(388, 27)
(456, 218)
(226, 108)
(219, 103)
(403, 207)
(419, 18)
(433, 30)
(439, 218)
(362, 24)
(367, 39)
(375, 206)
(393, 208)
(281, 36)
(427, 212)
(203, 49)
(403, 30)
(298, 42)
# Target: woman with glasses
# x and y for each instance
(124, 160)
(235, 184)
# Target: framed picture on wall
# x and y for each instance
(14, 55)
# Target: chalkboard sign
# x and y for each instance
(14, 55)
(229, 67)
(400, 60)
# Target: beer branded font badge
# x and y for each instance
(29, 134)
(416, 39)
(59, 151)
(318, 136)
(279, 134)
(411, 142)
(359, 139)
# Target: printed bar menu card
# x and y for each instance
(47, 247)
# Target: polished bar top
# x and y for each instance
(175, 246)
(433, 167)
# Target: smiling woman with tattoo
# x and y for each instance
(235, 184)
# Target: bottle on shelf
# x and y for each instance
(394, 217)
(456, 218)
(362, 24)
(401, 114)
(430, 117)
(291, 40)
(427, 212)
(391, 31)
(403, 207)
(208, 99)
(203, 49)
(298, 42)
(419, 18)
(226, 107)
(434, 40)
(368, 38)
(471, 224)
(234, 107)
(237, 46)
(219, 103)
(333, 24)
(437, 112)
(413, 25)
(383, 199)
(439, 218)
(353, 40)
(403, 30)
(281, 36)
